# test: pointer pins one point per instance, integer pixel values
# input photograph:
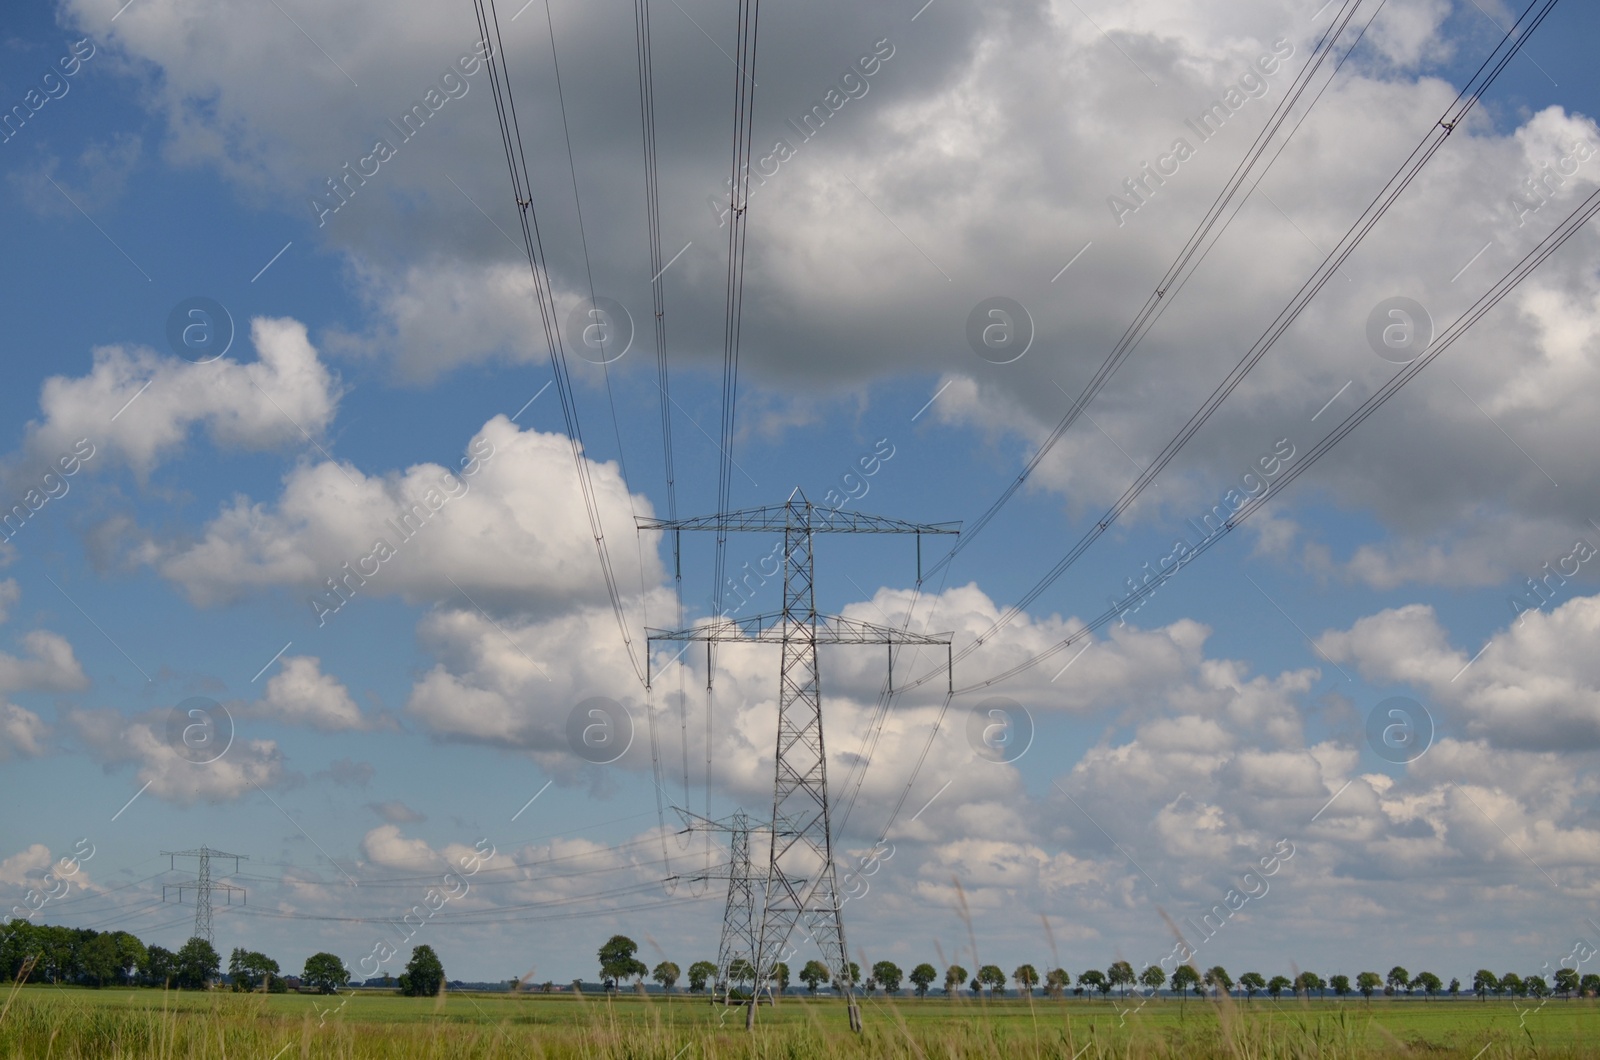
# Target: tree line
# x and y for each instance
(83, 957)
(618, 963)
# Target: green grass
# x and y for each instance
(45, 1021)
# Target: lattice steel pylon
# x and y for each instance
(738, 941)
(203, 886)
(801, 886)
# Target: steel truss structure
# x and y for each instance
(801, 887)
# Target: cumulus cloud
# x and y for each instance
(137, 406)
(22, 732)
(1534, 686)
(301, 694)
(944, 153)
(114, 739)
(49, 666)
(17, 868)
(507, 526)
(386, 846)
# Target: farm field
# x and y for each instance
(42, 1021)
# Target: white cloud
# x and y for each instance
(948, 151)
(19, 867)
(1536, 685)
(113, 740)
(301, 694)
(385, 846)
(50, 666)
(137, 406)
(21, 732)
(507, 526)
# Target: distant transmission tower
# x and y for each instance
(203, 886)
(801, 882)
(738, 940)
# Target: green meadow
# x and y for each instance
(75, 1022)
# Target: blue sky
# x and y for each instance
(396, 339)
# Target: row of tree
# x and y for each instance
(82, 957)
(617, 963)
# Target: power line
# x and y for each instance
(1188, 260)
(1504, 286)
(1184, 266)
(739, 197)
(527, 218)
(1465, 100)
(1431, 142)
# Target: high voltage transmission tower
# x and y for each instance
(738, 941)
(801, 887)
(203, 886)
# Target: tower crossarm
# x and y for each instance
(776, 518)
(768, 629)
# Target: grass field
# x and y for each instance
(69, 1023)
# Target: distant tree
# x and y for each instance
(741, 971)
(954, 976)
(1511, 983)
(617, 961)
(1276, 985)
(1455, 987)
(130, 955)
(1430, 983)
(1590, 985)
(666, 973)
(424, 974)
(1121, 974)
(1340, 984)
(237, 971)
(853, 970)
(99, 959)
(1057, 981)
(324, 973)
(1153, 977)
(1399, 979)
(1484, 983)
(1094, 979)
(1304, 983)
(976, 986)
(1535, 986)
(1185, 978)
(814, 974)
(1026, 976)
(159, 967)
(700, 973)
(1217, 978)
(1252, 983)
(1567, 981)
(780, 976)
(249, 970)
(992, 977)
(888, 975)
(1367, 982)
(922, 977)
(196, 964)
